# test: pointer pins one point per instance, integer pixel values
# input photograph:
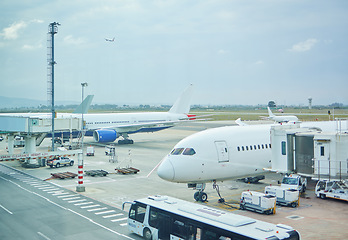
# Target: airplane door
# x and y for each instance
(221, 147)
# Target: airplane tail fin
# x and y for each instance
(270, 112)
(84, 106)
(183, 103)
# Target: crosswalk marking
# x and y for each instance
(114, 215)
(72, 198)
(91, 206)
(84, 203)
(119, 219)
(64, 196)
(96, 209)
(109, 211)
(74, 201)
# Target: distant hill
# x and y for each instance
(13, 102)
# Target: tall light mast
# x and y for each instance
(52, 29)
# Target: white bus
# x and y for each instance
(162, 217)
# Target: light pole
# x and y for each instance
(80, 187)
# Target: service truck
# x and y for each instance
(258, 202)
(331, 189)
(284, 196)
(90, 151)
(294, 181)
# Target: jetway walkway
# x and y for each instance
(34, 129)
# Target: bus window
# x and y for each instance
(210, 235)
(137, 212)
(153, 219)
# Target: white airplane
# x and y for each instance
(281, 119)
(109, 39)
(107, 127)
(222, 153)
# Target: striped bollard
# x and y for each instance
(80, 187)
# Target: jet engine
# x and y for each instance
(104, 135)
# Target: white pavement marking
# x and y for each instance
(96, 209)
(84, 203)
(90, 206)
(109, 211)
(60, 193)
(72, 198)
(120, 219)
(44, 236)
(74, 201)
(6, 209)
(123, 224)
(63, 196)
(114, 215)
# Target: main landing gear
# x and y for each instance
(125, 139)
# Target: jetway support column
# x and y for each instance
(10, 144)
(30, 144)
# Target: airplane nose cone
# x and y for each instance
(166, 170)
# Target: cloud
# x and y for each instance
(259, 62)
(222, 51)
(11, 32)
(32, 47)
(304, 46)
(73, 41)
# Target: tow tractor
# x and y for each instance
(294, 181)
(331, 189)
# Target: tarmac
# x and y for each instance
(315, 218)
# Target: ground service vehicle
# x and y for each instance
(60, 161)
(285, 197)
(162, 217)
(331, 189)
(294, 181)
(258, 202)
(90, 151)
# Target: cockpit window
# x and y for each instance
(177, 151)
(189, 151)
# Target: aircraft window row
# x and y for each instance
(254, 147)
(108, 122)
(183, 151)
(152, 121)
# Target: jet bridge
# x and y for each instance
(310, 152)
(34, 129)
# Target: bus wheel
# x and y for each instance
(203, 197)
(147, 234)
(322, 196)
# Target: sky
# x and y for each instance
(232, 51)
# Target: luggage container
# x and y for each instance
(284, 196)
(258, 202)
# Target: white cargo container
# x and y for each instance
(284, 196)
(258, 202)
(90, 151)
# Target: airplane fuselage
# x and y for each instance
(219, 154)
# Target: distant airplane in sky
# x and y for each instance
(109, 39)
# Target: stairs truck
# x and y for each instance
(284, 197)
(258, 202)
(331, 189)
